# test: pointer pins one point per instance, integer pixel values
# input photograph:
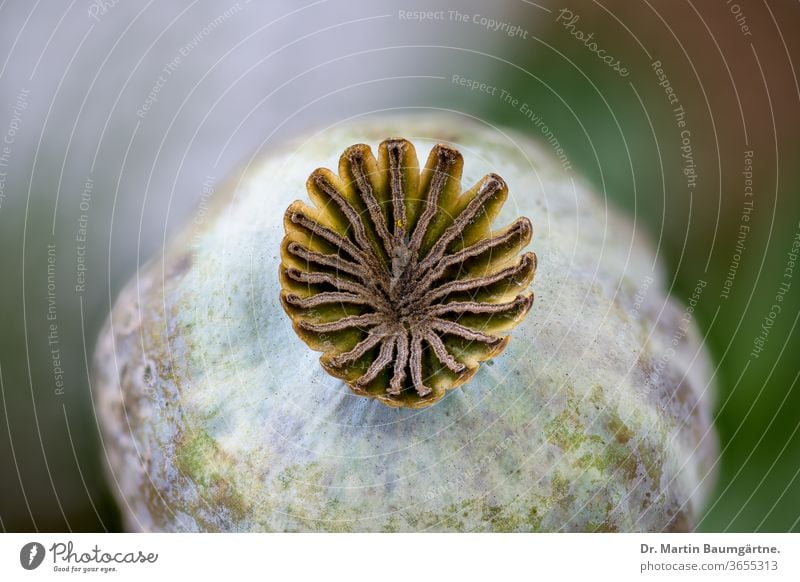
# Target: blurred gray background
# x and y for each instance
(114, 115)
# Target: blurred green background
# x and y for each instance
(264, 73)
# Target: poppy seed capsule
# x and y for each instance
(218, 412)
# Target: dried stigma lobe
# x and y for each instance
(396, 276)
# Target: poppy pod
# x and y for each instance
(349, 342)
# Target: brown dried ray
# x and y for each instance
(396, 276)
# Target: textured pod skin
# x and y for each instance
(216, 416)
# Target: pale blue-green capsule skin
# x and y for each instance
(217, 417)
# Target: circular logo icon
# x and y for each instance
(31, 555)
